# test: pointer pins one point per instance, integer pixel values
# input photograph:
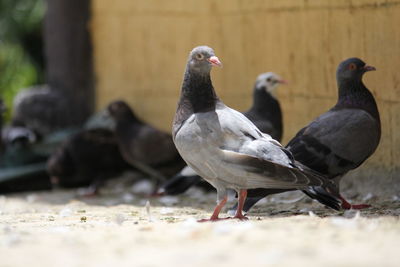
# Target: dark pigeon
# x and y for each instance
(22, 168)
(18, 134)
(42, 110)
(226, 148)
(341, 139)
(143, 146)
(24, 151)
(265, 113)
(87, 158)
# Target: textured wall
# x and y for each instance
(141, 48)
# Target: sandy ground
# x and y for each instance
(62, 228)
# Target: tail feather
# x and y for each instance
(326, 198)
(327, 194)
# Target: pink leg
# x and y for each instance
(217, 210)
(242, 197)
(347, 206)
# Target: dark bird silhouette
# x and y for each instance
(341, 139)
(86, 158)
(265, 113)
(143, 146)
(42, 110)
(21, 167)
(24, 153)
(226, 148)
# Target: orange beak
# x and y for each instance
(215, 61)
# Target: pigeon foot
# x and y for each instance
(347, 206)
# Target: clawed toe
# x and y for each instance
(360, 206)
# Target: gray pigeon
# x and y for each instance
(265, 113)
(226, 148)
(341, 139)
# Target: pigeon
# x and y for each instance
(143, 146)
(18, 147)
(265, 113)
(18, 134)
(86, 158)
(341, 139)
(42, 110)
(226, 148)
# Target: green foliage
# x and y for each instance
(16, 72)
(18, 19)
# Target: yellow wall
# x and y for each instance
(140, 51)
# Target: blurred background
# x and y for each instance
(93, 52)
(21, 47)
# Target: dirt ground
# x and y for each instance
(121, 227)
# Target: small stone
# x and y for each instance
(119, 219)
(65, 212)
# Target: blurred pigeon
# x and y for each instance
(18, 145)
(265, 113)
(143, 146)
(86, 158)
(41, 110)
(17, 134)
(23, 156)
(341, 139)
(225, 147)
(21, 167)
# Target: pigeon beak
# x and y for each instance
(369, 68)
(215, 61)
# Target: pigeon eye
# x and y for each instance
(199, 56)
(269, 79)
(352, 66)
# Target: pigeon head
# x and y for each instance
(352, 69)
(268, 81)
(120, 110)
(201, 59)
